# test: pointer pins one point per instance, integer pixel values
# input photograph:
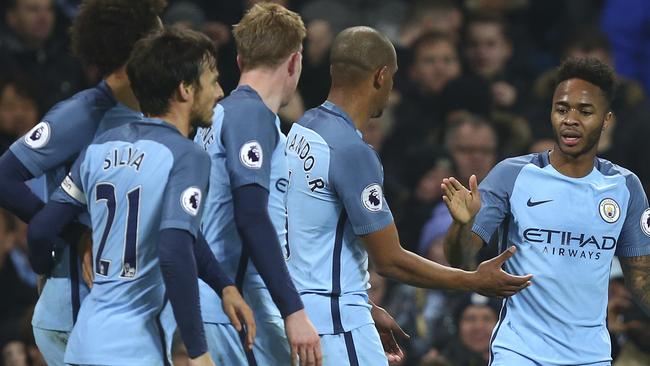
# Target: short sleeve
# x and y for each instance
(634, 239)
(495, 191)
(71, 189)
(357, 177)
(249, 141)
(60, 136)
(186, 190)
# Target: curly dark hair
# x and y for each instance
(162, 61)
(591, 70)
(104, 31)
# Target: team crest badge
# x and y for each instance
(372, 197)
(645, 221)
(251, 155)
(609, 210)
(38, 136)
(191, 200)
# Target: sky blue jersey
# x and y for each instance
(567, 231)
(335, 194)
(48, 150)
(246, 147)
(135, 180)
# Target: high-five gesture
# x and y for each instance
(463, 204)
(491, 280)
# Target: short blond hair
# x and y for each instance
(268, 34)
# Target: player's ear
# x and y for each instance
(185, 91)
(609, 118)
(240, 64)
(379, 78)
(294, 61)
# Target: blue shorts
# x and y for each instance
(271, 346)
(508, 358)
(360, 346)
(52, 345)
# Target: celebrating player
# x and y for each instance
(103, 34)
(338, 214)
(568, 212)
(245, 214)
(143, 184)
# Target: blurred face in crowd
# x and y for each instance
(14, 353)
(487, 50)
(435, 64)
(579, 114)
(32, 20)
(475, 327)
(474, 150)
(18, 113)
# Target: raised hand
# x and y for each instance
(491, 280)
(239, 312)
(303, 340)
(463, 204)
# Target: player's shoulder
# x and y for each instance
(82, 106)
(515, 164)
(244, 105)
(337, 132)
(609, 169)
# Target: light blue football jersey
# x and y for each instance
(246, 146)
(335, 195)
(567, 231)
(135, 180)
(48, 150)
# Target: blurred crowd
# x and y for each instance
(474, 86)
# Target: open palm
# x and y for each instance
(463, 203)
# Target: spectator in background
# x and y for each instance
(472, 142)
(28, 46)
(475, 317)
(18, 109)
(425, 16)
(314, 84)
(488, 49)
(417, 115)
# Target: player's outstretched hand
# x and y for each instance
(387, 328)
(203, 360)
(491, 280)
(239, 312)
(463, 203)
(303, 339)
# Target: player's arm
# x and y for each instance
(50, 144)
(179, 226)
(391, 260)
(15, 195)
(53, 226)
(387, 328)
(636, 271)
(633, 246)
(210, 271)
(356, 175)
(461, 245)
(249, 144)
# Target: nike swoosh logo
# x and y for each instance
(533, 204)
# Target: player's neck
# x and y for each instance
(265, 82)
(179, 118)
(352, 103)
(119, 84)
(572, 166)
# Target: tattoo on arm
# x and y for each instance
(637, 278)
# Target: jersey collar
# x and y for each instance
(158, 122)
(246, 89)
(103, 86)
(335, 110)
